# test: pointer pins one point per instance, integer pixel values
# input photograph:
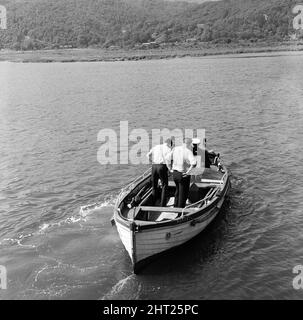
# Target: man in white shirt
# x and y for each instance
(159, 169)
(183, 162)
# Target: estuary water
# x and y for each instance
(251, 107)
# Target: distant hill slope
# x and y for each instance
(82, 23)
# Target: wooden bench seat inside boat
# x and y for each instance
(148, 213)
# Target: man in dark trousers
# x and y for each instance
(183, 162)
(159, 169)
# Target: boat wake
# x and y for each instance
(96, 207)
(83, 216)
(17, 241)
(123, 290)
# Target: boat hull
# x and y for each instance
(145, 242)
(150, 244)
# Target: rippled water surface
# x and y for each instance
(50, 115)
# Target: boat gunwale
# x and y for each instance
(198, 212)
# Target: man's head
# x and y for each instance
(187, 142)
(195, 141)
(169, 142)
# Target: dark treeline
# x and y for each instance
(35, 24)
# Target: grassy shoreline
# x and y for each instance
(95, 54)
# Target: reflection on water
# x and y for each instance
(50, 115)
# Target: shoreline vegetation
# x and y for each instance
(118, 30)
(98, 54)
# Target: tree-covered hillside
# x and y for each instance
(129, 23)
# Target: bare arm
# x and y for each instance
(168, 160)
(149, 153)
(192, 161)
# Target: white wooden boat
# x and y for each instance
(147, 231)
